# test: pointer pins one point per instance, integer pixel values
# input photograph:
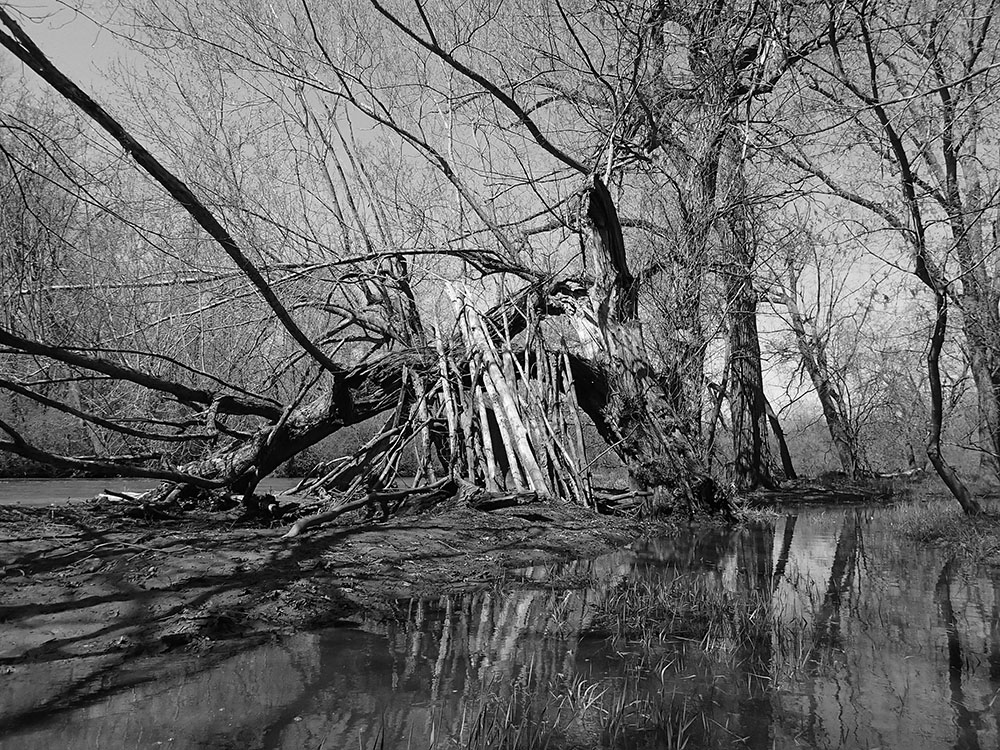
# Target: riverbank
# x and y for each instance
(82, 577)
(76, 580)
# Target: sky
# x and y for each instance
(70, 34)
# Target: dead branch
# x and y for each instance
(381, 499)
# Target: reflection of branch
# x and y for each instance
(841, 575)
(966, 720)
(786, 546)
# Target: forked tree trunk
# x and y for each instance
(813, 355)
(630, 397)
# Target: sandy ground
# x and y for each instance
(80, 579)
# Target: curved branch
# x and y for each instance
(20, 447)
(183, 393)
(94, 419)
(24, 49)
(508, 101)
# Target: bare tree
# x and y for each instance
(816, 318)
(915, 86)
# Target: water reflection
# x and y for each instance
(899, 645)
(842, 634)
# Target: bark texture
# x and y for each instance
(748, 410)
(633, 400)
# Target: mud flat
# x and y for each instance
(77, 580)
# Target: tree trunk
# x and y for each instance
(981, 325)
(752, 456)
(748, 414)
(362, 393)
(988, 395)
(980, 297)
(716, 415)
(944, 470)
(633, 405)
(786, 457)
(813, 353)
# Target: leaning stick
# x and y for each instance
(487, 440)
(574, 409)
(449, 404)
(519, 434)
(505, 430)
(474, 343)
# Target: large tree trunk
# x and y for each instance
(362, 393)
(748, 411)
(633, 401)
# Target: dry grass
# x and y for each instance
(941, 523)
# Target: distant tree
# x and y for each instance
(914, 88)
(816, 316)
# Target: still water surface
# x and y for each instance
(861, 641)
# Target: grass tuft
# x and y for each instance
(941, 523)
(650, 611)
(577, 714)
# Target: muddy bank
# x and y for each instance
(77, 581)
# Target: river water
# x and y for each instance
(49, 491)
(857, 639)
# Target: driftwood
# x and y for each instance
(115, 495)
(904, 474)
(494, 501)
